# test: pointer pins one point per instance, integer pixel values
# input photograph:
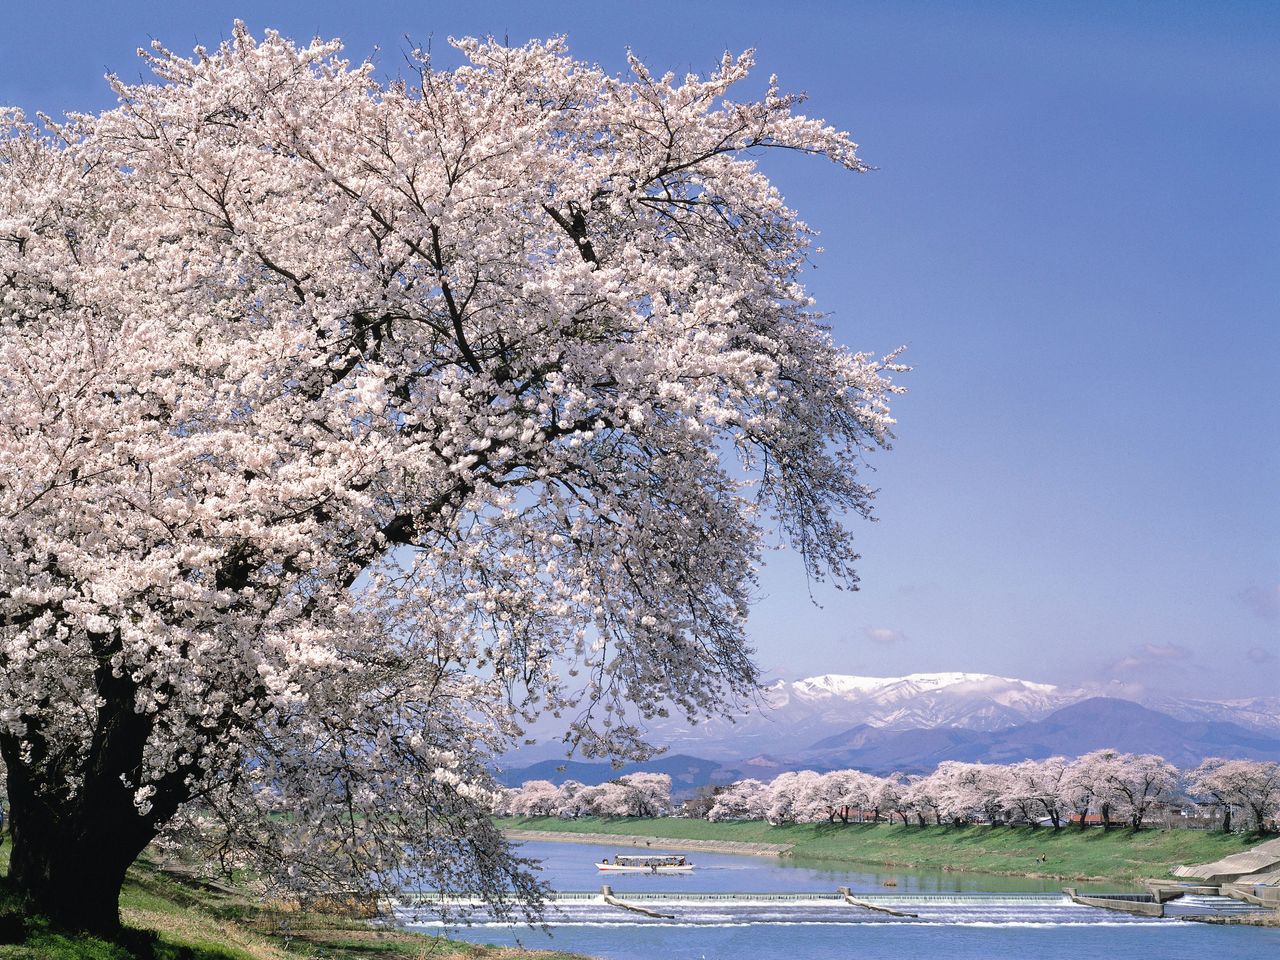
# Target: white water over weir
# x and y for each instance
(430, 897)
(607, 908)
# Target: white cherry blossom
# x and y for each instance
(342, 421)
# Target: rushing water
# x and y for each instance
(958, 916)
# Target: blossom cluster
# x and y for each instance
(633, 795)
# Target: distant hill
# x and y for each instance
(793, 715)
(1091, 724)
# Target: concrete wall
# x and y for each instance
(1142, 904)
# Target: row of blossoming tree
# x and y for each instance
(635, 795)
(1110, 787)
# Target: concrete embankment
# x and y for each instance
(1238, 866)
(655, 843)
(1142, 904)
(1251, 877)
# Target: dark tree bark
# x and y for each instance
(73, 845)
(70, 863)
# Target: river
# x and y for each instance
(959, 916)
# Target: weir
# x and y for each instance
(837, 897)
(609, 906)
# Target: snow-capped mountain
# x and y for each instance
(973, 701)
(792, 715)
(914, 722)
(1261, 713)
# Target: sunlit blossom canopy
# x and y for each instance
(344, 420)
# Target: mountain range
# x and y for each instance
(911, 723)
(792, 715)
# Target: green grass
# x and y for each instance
(1118, 854)
(171, 917)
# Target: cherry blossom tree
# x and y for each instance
(1040, 787)
(1250, 786)
(922, 797)
(535, 798)
(823, 798)
(644, 795)
(349, 427)
(1020, 798)
(742, 800)
(843, 791)
(789, 798)
(967, 792)
(891, 796)
(1141, 781)
(592, 800)
(1079, 789)
(1116, 783)
(567, 806)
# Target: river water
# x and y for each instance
(959, 916)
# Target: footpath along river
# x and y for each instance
(961, 916)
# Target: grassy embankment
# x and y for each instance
(1118, 854)
(169, 917)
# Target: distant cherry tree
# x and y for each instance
(1093, 778)
(343, 421)
(742, 800)
(534, 798)
(923, 799)
(1143, 781)
(1251, 787)
(1040, 788)
(639, 795)
(790, 798)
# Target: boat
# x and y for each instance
(668, 863)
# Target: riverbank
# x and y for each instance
(171, 917)
(1068, 854)
(647, 841)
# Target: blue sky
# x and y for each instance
(1075, 229)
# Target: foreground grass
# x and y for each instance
(1068, 854)
(170, 917)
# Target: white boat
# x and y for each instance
(671, 863)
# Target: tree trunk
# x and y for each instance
(70, 864)
(73, 844)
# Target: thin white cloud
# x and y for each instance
(1259, 655)
(884, 635)
(1151, 655)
